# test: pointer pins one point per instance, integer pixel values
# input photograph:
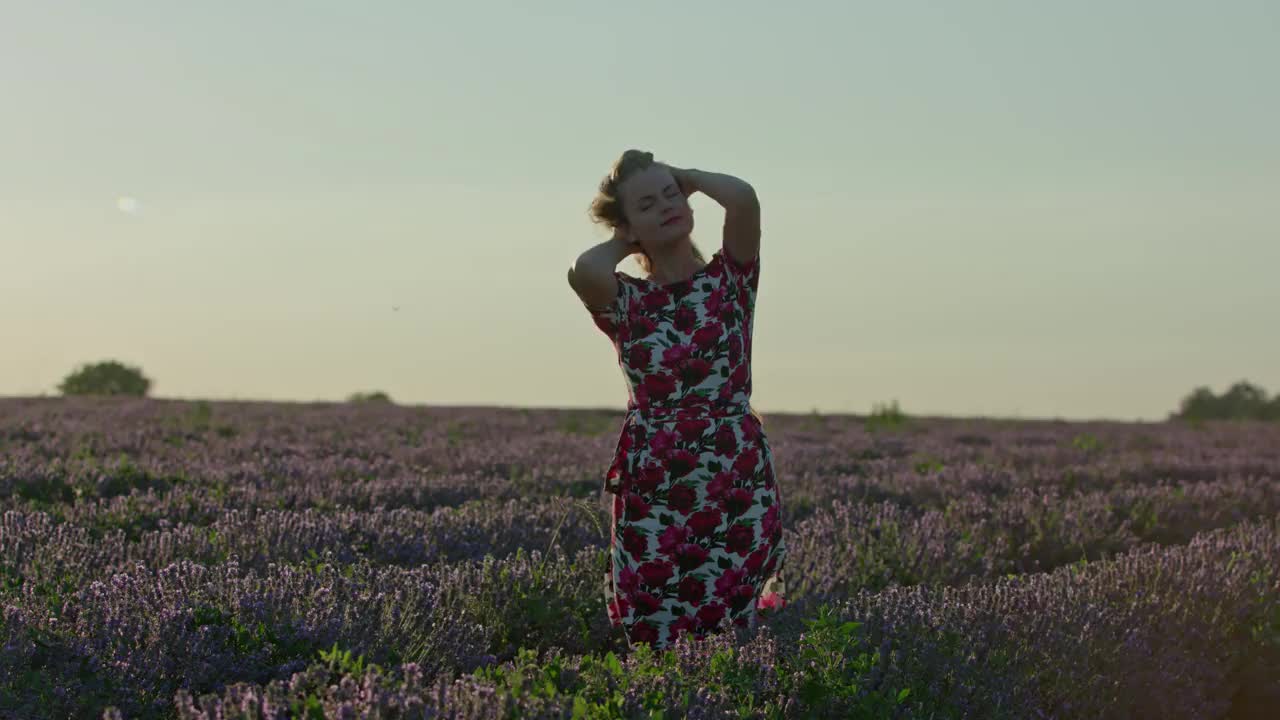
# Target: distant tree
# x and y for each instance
(1272, 411)
(1201, 404)
(1242, 401)
(105, 378)
(376, 396)
(1245, 400)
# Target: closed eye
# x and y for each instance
(644, 206)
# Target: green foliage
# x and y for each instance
(928, 464)
(832, 666)
(45, 491)
(309, 707)
(51, 683)
(1242, 401)
(577, 422)
(376, 396)
(831, 674)
(342, 663)
(596, 689)
(252, 638)
(886, 417)
(105, 378)
(570, 505)
(1087, 443)
(814, 421)
(554, 601)
(197, 420)
(456, 432)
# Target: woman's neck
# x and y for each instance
(674, 264)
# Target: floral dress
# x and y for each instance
(696, 537)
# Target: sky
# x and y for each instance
(995, 209)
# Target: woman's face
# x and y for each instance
(656, 210)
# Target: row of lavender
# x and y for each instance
(1188, 631)
(845, 547)
(63, 455)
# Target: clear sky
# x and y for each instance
(982, 208)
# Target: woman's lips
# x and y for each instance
(668, 221)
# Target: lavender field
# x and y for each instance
(172, 559)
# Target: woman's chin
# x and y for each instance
(677, 229)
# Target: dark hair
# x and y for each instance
(606, 209)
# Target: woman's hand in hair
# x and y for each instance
(684, 178)
(622, 235)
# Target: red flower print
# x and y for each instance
(640, 327)
(659, 386)
(690, 556)
(639, 355)
(635, 543)
(617, 609)
(735, 350)
(656, 573)
(738, 378)
(725, 393)
(656, 299)
(648, 478)
(710, 615)
(708, 336)
(693, 371)
(675, 355)
(741, 595)
(681, 498)
(692, 400)
(637, 508)
(713, 302)
(644, 632)
(726, 440)
(739, 539)
(639, 435)
(769, 522)
(728, 581)
(719, 485)
(681, 463)
(628, 580)
(662, 443)
(681, 625)
(685, 318)
(646, 603)
(745, 463)
(691, 430)
(737, 501)
(692, 590)
(751, 429)
(726, 313)
(704, 522)
(756, 559)
(672, 538)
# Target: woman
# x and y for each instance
(696, 537)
